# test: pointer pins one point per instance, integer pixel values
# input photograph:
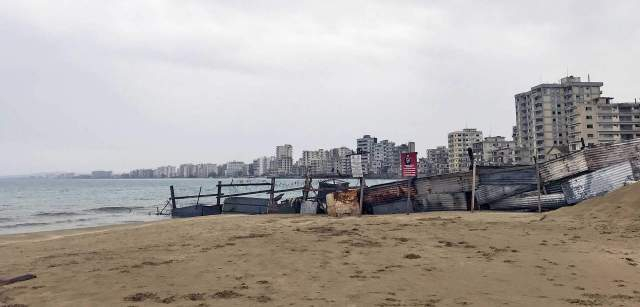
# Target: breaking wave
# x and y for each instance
(53, 214)
(114, 209)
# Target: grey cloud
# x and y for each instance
(127, 84)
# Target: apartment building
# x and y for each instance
(365, 146)
(494, 151)
(284, 159)
(168, 171)
(262, 166)
(602, 121)
(315, 162)
(382, 157)
(436, 161)
(186, 170)
(236, 169)
(337, 157)
(546, 113)
(459, 141)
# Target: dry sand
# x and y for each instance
(586, 255)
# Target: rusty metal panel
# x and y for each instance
(343, 203)
(507, 175)
(449, 183)
(388, 192)
(604, 155)
(529, 202)
(489, 193)
(565, 166)
(442, 202)
(597, 183)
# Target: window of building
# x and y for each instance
(589, 135)
(589, 126)
(588, 108)
(589, 117)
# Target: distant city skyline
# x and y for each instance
(121, 85)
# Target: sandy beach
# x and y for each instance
(585, 255)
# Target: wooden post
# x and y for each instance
(198, 200)
(271, 192)
(538, 182)
(219, 193)
(409, 195)
(362, 183)
(305, 190)
(473, 186)
(173, 198)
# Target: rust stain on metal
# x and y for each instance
(343, 203)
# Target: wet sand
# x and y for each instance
(586, 255)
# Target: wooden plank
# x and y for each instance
(16, 279)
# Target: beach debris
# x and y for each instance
(343, 203)
(20, 278)
(308, 207)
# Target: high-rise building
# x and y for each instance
(459, 141)
(546, 117)
(315, 162)
(284, 159)
(337, 156)
(236, 169)
(205, 170)
(365, 146)
(494, 151)
(382, 158)
(601, 121)
(165, 172)
(187, 170)
(437, 161)
(262, 166)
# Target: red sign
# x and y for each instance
(409, 161)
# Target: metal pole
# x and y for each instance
(408, 195)
(219, 193)
(538, 182)
(361, 193)
(473, 187)
(273, 188)
(173, 198)
(198, 200)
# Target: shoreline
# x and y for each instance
(586, 254)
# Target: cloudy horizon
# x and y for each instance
(120, 85)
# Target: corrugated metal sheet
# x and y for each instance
(529, 202)
(564, 166)
(247, 205)
(553, 187)
(196, 210)
(597, 183)
(387, 193)
(449, 183)
(635, 165)
(604, 155)
(509, 175)
(489, 193)
(442, 202)
(309, 207)
(399, 206)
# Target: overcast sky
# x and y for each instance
(118, 85)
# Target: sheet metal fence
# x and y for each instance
(564, 181)
(597, 183)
